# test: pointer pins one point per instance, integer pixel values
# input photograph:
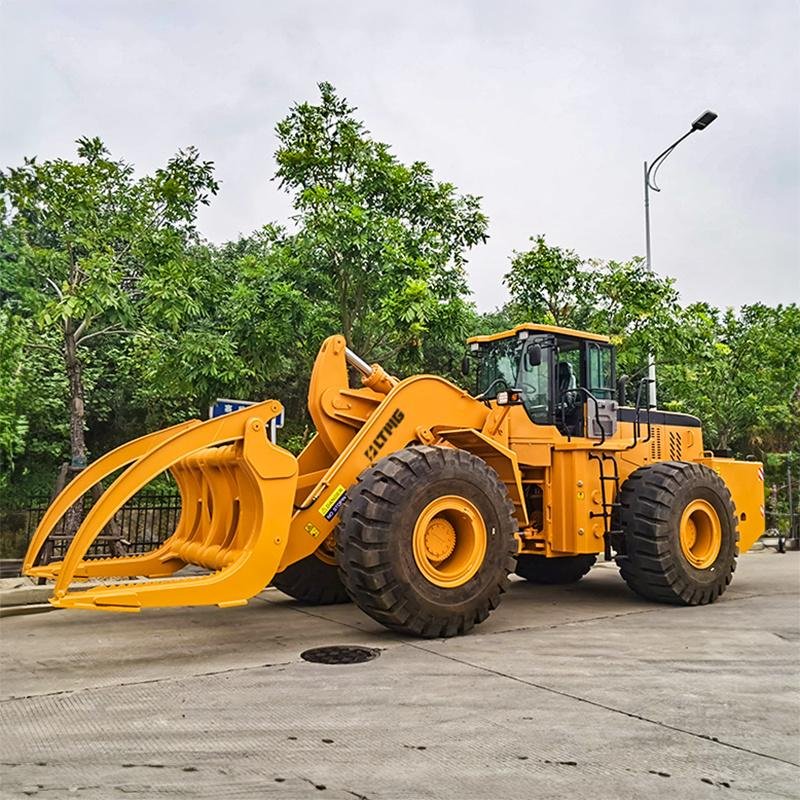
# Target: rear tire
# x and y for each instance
(313, 581)
(553, 571)
(440, 504)
(679, 533)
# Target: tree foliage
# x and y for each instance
(116, 317)
(376, 250)
(88, 252)
(737, 371)
(385, 242)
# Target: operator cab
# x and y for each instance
(563, 377)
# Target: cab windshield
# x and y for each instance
(498, 365)
(502, 366)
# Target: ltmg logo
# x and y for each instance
(383, 435)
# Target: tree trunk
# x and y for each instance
(344, 313)
(77, 440)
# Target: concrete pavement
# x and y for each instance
(581, 692)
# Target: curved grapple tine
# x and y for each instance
(82, 483)
(159, 562)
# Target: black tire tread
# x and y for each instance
(313, 582)
(554, 571)
(649, 564)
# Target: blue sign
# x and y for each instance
(225, 406)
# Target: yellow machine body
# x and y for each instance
(250, 509)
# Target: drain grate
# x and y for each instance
(338, 654)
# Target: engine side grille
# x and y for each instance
(655, 444)
(675, 446)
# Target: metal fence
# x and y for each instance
(143, 523)
(782, 505)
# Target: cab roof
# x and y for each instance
(536, 328)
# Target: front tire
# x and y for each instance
(553, 571)
(679, 533)
(312, 580)
(426, 541)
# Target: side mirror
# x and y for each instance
(465, 366)
(533, 356)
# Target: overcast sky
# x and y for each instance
(545, 109)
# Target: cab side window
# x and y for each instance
(569, 370)
(569, 401)
(600, 371)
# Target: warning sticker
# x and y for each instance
(312, 529)
(331, 506)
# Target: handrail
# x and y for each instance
(637, 425)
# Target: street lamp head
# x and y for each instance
(704, 120)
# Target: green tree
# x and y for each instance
(13, 424)
(738, 372)
(248, 331)
(376, 250)
(551, 285)
(636, 308)
(85, 245)
(382, 243)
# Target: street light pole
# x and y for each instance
(701, 123)
(648, 260)
(651, 361)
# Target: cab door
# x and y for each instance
(535, 379)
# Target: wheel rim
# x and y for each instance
(700, 534)
(449, 541)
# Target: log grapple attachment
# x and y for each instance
(236, 490)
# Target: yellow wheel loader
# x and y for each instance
(416, 498)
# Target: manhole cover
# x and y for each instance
(337, 654)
